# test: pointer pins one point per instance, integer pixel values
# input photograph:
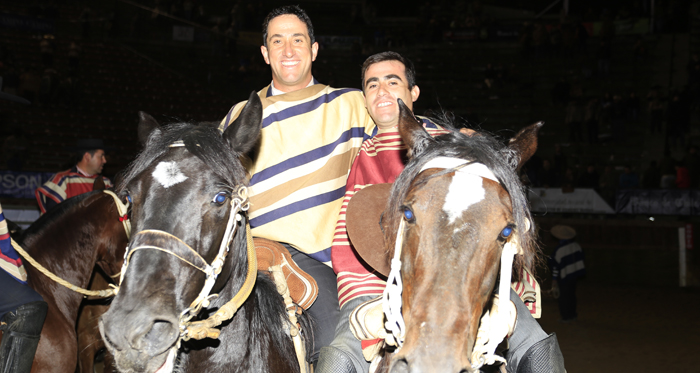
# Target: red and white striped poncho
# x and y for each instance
(381, 160)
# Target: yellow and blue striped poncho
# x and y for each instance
(309, 141)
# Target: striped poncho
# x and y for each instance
(10, 261)
(381, 160)
(64, 185)
(309, 140)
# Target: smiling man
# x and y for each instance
(310, 136)
(386, 77)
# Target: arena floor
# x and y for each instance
(629, 329)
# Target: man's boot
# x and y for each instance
(21, 336)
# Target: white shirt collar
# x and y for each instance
(276, 91)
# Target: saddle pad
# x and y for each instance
(302, 287)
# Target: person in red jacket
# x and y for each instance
(77, 180)
(682, 176)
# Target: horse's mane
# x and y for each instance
(54, 215)
(483, 148)
(202, 140)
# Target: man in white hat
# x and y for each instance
(567, 267)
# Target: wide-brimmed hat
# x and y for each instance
(563, 232)
(365, 224)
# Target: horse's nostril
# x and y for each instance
(161, 331)
(401, 366)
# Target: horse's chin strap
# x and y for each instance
(239, 204)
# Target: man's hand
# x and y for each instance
(555, 290)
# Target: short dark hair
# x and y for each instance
(80, 153)
(292, 10)
(390, 56)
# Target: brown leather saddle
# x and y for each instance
(302, 287)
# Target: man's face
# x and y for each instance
(385, 82)
(289, 52)
(96, 162)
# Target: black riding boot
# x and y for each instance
(21, 336)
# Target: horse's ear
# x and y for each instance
(524, 143)
(243, 133)
(412, 132)
(147, 126)
(99, 183)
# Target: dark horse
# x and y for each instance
(181, 186)
(455, 207)
(69, 240)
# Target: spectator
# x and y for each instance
(651, 178)
(633, 105)
(548, 177)
(668, 171)
(490, 76)
(73, 58)
(560, 161)
(575, 115)
(590, 178)
(682, 176)
(640, 49)
(560, 92)
(692, 162)
(46, 47)
(603, 55)
(677, 120)
(567, 268)
(656, 113)
(628, 179)
(592, 119)
(608, 185)
(568, 181)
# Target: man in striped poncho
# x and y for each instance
(310, 136)
(79, 179)
(387, 77)
(22, 310)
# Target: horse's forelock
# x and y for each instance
(482, 148)
(203, 141)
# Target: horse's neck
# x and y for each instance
(68, 248)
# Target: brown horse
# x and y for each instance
(453, 209)
(90, 343)
(69, 240)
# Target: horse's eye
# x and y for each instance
(408, 214)
(506, 232)
(128, 198)
(220, 198)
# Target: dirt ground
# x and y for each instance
(629, 329)
(623, 329)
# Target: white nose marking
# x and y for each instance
(168, 174)
(465, 190)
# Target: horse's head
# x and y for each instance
(454, 207)
(184, 188)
